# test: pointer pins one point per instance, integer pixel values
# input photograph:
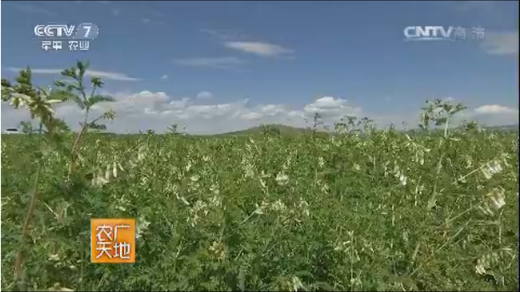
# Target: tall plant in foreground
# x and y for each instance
(440, 112)
(78, 93)
(38, 101)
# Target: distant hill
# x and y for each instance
(294, 131)
(282, 129)
(505, 128)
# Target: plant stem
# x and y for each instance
(446, 127)
(76, 145)
(25, 231)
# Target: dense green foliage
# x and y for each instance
(272, 212)
(357, 209)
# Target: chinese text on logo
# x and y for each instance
(112, 240)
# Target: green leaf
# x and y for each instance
(77, 100)
(97, 99)
(6, 83)
(59, 125)
(60, 83)
(82, 67)
(96, 82)
(96, 126)
(441, 121)
(70, 73)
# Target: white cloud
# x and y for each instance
(505, 43)
(146, 20)
(218, 62)
(224, 34)
(251, 116)
(157, 110)
(115, 12)
(258, 48)
(204, 95)
(179, 104)
(92, 73)
(330, 107)
(164, 77)
(495, 109)
(272, 109)
(449, 99)
(296, 114)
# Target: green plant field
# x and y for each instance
(272, 213)
(353, 209)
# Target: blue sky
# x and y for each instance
(219, 66)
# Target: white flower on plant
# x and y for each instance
(218, 250)
(304, 206)
(199, 207)
(397, 170)
(356, 281)
(214, 189)
(479, 268)
(249, 171)
(282, 178)
(260, 210)
(287, 163)
(403, 179)
(495, 167)
(108, 172)
(141, 153)
(419, 189)
(496, 199)
(54, 257)
(142, 226)
(215, 201)
(297, 284)
(321, 162)
(486, 173)
(99, 179)
(183, 199)
(263, 183)
(469, 161)
(120, 208)
(357, 167)
(278, 206)
(195, 178)
(324, 188)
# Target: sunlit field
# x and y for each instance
(342, 212)
(352, 209)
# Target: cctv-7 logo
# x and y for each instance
(54, 30)
(87, 28)
(86, 31)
